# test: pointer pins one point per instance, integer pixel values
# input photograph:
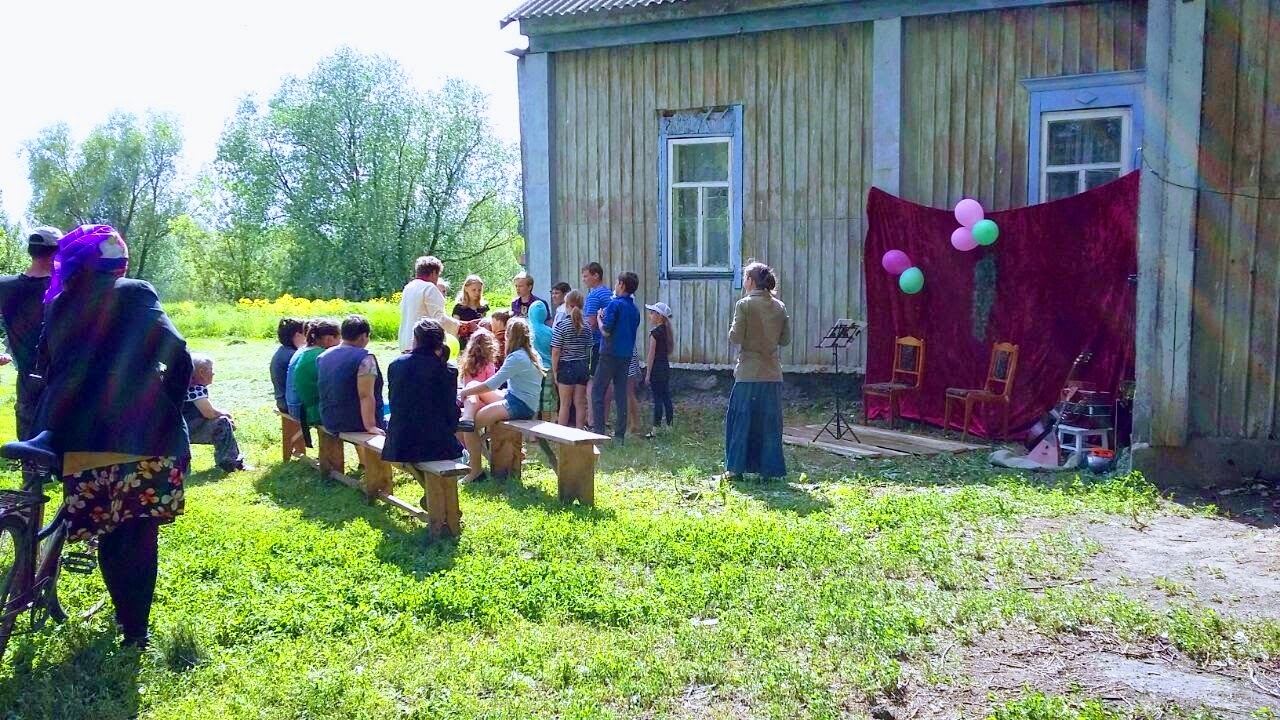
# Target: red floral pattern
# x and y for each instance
(99, 499)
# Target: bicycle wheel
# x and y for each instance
(13, 531)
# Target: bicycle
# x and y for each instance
(31, 556)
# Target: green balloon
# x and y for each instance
(911, 281)
(985, 232)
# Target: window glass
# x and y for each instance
(684, 225)
(1094, 178)
(716, 227)
(1061, 184)
(702, 162)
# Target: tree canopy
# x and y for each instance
(331, 188)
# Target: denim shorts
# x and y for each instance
(573, 372)
(516, 409)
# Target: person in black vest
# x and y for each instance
(424, 401)
(350, 383)
(22, 310)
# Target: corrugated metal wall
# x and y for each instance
(806, 129)
(1236, 305)
(964, 121)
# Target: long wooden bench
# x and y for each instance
(574, 457)
(292, 442)
(439, 502)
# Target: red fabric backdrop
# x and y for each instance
(1056, 283)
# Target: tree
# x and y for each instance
(363, 175)
(13, 247)
(124, 174)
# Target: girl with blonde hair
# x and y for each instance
(571, 343)
(468, 307)
(522, 372)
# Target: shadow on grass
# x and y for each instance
(782, 495)
(94, 678)
(298, 485)
(521, 496)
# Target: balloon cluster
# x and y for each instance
(910, 278)
(975, 229)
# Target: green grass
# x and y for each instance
(282, 596)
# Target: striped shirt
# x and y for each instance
(573, 345)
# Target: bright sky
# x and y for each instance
(77, 61)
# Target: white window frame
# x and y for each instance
(672, 186)
(1124, 165)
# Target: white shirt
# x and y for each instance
(422, 299)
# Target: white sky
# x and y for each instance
(77, 61)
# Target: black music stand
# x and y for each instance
(840, 336)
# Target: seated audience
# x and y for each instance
(424, 401)
(350, 383)
(322, 334)
(479, 362)
(207, 424)
(522, 372)
(291, 335)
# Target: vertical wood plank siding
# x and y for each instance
(806, 98)
(1235, 311)
(964, 119)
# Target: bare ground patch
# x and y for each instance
(1001, 666)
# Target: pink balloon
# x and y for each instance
(969, 212)
(895, 262)
(962, 239)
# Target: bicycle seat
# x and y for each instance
(38, 450)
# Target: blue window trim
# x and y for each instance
(1081, 92)
(719, 122)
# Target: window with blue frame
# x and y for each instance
(1085, 131)
(700, 192)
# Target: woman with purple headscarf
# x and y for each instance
(117, 372)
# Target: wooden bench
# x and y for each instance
(440, 490)
(292, 442)
(574, 457)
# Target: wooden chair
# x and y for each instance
(996, 389)
(908, 374)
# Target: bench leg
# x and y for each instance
(291, 441)
(331, 454)
(377, 473)
(576, 474)
(506, 451)
(444, 516)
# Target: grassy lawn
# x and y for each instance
(855, 585)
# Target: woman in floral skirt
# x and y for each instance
(117, 372)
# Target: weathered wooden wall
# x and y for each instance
(965, 113)
(1236, 306)
(806, 134)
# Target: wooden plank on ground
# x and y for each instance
(874, 436)
(857, 452)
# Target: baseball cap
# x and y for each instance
(661, 308)
(45, 235)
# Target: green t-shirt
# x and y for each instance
(306, 380)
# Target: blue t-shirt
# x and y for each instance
(621, 319)
(291, 398)
(538, 314)
(596, 299)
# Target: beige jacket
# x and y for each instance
(760, 326)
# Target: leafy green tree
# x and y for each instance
(361, 175)
(124, 174)
(13, 246)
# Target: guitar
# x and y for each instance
(1048, 422)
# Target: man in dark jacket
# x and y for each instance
(424, 407)
(22, 310)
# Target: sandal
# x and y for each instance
(466, 426)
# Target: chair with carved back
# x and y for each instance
(907, 376)
(997, 389)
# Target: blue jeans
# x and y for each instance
(610, 370)
(753, 430)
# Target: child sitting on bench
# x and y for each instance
(479, 362)
(209, 425)
(522, 372)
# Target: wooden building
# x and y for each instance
(678, 138)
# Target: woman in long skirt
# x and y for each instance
(753, 425)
